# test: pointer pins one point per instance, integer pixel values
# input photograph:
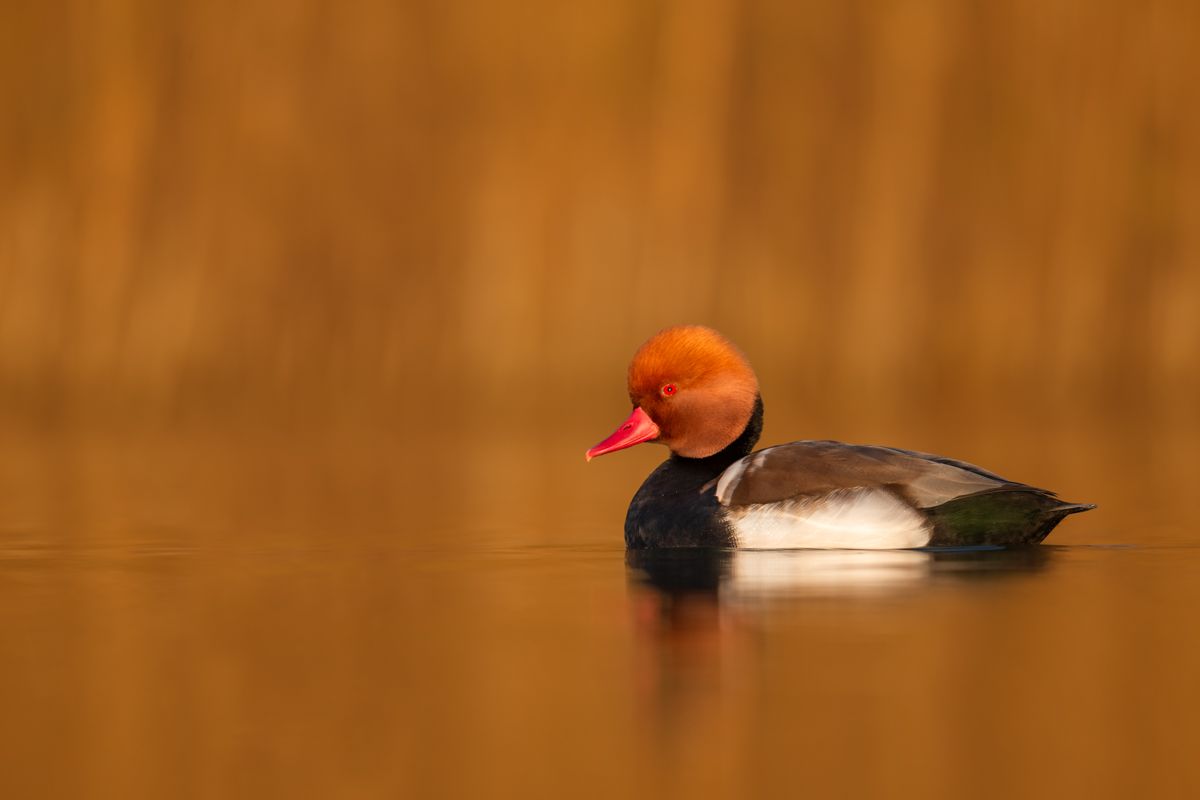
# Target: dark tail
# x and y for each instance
(1057, 514)
(1006, 517)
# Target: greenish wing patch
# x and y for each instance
(1002, 517)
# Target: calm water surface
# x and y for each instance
(322, 619)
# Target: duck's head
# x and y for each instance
(691, 389)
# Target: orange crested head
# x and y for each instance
(692, 390)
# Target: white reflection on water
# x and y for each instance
(743, 576)
(765, 573)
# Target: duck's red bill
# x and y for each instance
(635, 430)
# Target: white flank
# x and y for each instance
(858, 519)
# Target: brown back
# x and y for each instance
(813, 468)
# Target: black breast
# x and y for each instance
(672, 509)
(677, 505)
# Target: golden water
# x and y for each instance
(368, 614)
(309, 311)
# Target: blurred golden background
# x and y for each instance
(322, 213)
(308, 312)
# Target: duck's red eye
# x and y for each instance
(668, 390)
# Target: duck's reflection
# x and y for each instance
(707, 622)
(729, 577)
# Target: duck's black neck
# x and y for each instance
(672, 510)
(739, 447)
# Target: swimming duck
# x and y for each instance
(694, 391)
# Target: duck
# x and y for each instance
(694, 391)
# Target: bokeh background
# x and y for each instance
(353, 277)
(427, 237)
(322, 212)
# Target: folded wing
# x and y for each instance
(815, 468)
(831, 494)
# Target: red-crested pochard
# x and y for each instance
(695, 392)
